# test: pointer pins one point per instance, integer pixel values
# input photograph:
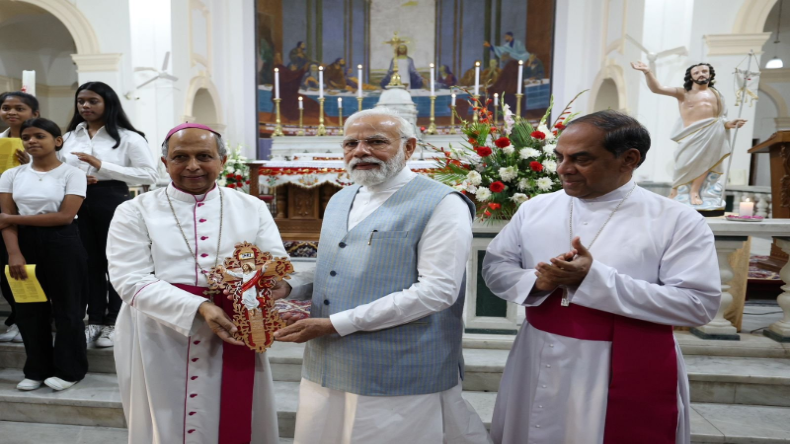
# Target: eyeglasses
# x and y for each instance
(373, 143)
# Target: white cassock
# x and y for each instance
(654, 261)
(169, 362)
(331, 416)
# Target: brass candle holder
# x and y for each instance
(359, 103)
(477, 102)
(452, 119)
(432, 127)
(340, 117)
(518, 107)
(301, 123)
(321, 131)
(278, 128)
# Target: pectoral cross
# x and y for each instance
(395, 41)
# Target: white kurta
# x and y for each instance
(169, 362)
(332, 416)
(654, 261)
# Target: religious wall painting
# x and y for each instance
(345, 47)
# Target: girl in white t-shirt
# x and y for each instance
(102, 142)
(15, 108)
(39, 202)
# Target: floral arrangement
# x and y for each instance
(501, 168)
(236, 173)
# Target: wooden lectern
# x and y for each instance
(778, 148)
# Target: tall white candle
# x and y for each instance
(29, 82)
(359, 80)
(433, 77)
(520, 76)
(496, 100)
(340, 103)
(301, 103)
(276, 83)
(452, 98)
(320, 82)
(477, 78)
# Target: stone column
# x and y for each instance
(780, 330)
(720, 328)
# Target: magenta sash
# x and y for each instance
(642, 401)
(238, 380)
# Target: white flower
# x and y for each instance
(550, 165)
(526, 153)
(519, 198)
(523, 184)
(474, 178)
(483, 194)
(544, 183)
(230, 170)
(545, 130)
(471, 188)
(508, 118)
(222, 182)
(508, 150)
(549, 148)
(460, 187)
(508, 174)
(480, 167)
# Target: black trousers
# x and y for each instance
(61, 264)
(4, 285)
(94, 222)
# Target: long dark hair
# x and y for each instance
(113, 116)
(44, 124)
(688, 81)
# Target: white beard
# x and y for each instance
(385, 171)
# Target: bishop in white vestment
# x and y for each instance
(596, 360)
(177, 383)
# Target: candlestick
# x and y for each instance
(477, 79)
(359, 103)
(278, 129)
(746, 209)
(519, 96)
(520, 76)
(340, 113)
(29, 82)
(496, 107)
(320, 82)
(433, 76)
(276, 83)
(452, 113)
(432, 127)
(476, 101)
(301, 118)
(321, 131)
(359, 82)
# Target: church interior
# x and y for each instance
(277, 78)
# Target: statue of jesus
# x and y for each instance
(702, 134)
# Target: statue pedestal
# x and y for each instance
(398, 99)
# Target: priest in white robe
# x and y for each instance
(179, 381)
(596, 360)
(383, 361)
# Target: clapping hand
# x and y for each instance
(567, 270)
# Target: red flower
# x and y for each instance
(422, 128)
(247, 182)
(487, 213)
(560, 126)
(473, 141)
(484, 119)
(230, 185)
(538, 135)
(502, 142)
(536, 166)
(483, 151)
(489, 101)
(238, 177)
(497, 187)
(494, 206)
(229, 176)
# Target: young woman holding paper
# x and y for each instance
(15, 108)
(39, 202)
(103, 143)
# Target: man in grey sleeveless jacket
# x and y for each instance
(383, 363)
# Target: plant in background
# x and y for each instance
(501, 168)
(236, 174)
